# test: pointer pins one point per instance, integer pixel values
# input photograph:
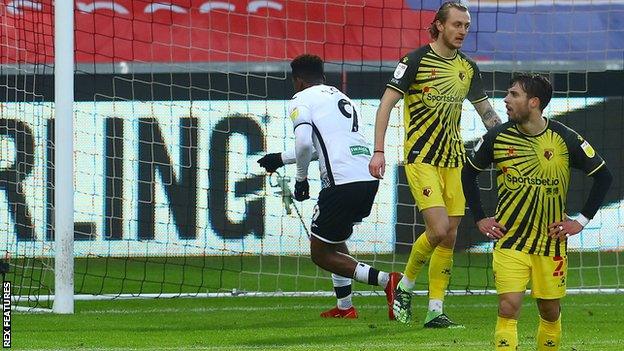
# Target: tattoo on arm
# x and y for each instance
(490, 118)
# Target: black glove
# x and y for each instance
(271, 162)
(302, 190)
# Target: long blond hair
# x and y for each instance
(443, 14)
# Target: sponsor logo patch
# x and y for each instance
(294, 114)
(431, 97)
(514, 180)
(400, 70)
(359, 150)
(588, 149)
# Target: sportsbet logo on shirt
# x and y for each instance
(431, 97)
(513, 179)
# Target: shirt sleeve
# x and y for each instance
(483, 153)
(471, 192)
(299, 113)
(404, 74)
(583, 155)
(301, 116)
(304, 149)
(289, 157)
(476, 93)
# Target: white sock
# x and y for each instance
(436, 305)
(383, 278)
(407, 284)
(361, 272)
(345, 303)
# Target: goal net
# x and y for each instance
(26, 186)
(175, 102)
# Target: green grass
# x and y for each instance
(590, 322)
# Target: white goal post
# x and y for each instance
(64, 156)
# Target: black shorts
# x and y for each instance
(339, 207)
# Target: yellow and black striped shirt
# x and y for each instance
(533, 175)
(434, 89)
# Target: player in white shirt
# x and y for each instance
(326, 127)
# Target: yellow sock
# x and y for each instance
(506, 334)
(421, 251)
(549, 335)
(440, 267)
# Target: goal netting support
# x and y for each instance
(175, 101)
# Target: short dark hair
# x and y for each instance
(308, 67)
(443, 14)
(534, 85)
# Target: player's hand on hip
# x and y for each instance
(377, 165)
(302, 190)
(271, 162)
(491, 228)
(564, 229)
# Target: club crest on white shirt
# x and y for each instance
(400, 70)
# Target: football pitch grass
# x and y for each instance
(590, 321)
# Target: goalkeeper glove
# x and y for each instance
(271, 162)
(302, 190)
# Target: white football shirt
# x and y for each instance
(343, 151)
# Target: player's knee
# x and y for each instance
(451, 233)
(549, 309)
(438, 232)
(449, 240)
(508, 309)
(550, 315)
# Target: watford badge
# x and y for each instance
(427, 191)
